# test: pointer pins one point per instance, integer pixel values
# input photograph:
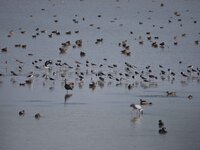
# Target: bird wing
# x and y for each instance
(138, 106)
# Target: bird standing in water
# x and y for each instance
(137, 107)
(69, 86)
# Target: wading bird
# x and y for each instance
(69, 86)
(137, 107)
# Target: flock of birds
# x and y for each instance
(139, 109)
(22, 113)
(129, 76)
(97, 75)
(83, 72)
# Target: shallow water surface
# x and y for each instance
(99, 118)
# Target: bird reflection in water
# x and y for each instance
(136, 119)
(67, 96)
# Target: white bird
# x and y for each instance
(137, 107)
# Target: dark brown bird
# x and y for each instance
(144, 102)
(171, 93)
(37, 116)
(82, 54)
(162, 130)
(22, 113)
(160, 123)
(69, 86)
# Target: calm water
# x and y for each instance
(99, 119)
